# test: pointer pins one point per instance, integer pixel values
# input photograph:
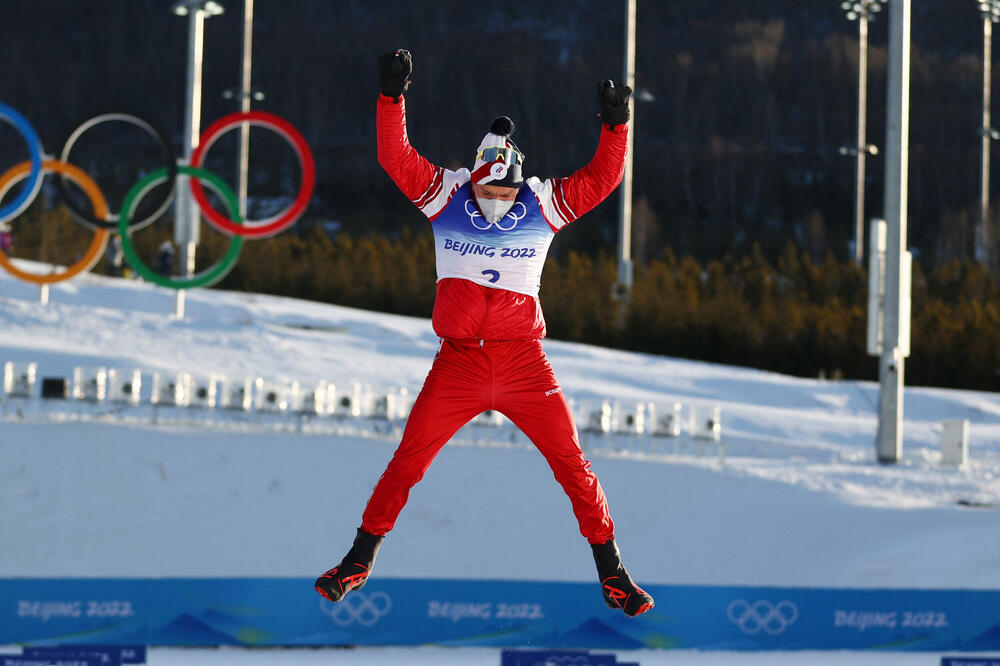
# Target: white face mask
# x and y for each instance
(494, 209)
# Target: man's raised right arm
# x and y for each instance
(415, 176)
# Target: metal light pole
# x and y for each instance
(625, 266)
(245, 94)
(186, 222)
(863, 11)
(990, 11)
(895, 340)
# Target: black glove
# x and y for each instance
(394, 70)
(613, 97)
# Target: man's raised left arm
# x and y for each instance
(564, 200)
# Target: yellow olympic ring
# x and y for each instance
(97, 246)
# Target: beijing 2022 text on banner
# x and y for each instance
(286, 611)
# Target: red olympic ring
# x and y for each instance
(272, 225)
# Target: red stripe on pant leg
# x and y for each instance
(452, 395)
(523, 377)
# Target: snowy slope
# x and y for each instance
(798, 499)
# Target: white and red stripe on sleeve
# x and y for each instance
(438, 193)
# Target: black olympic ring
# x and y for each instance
(365, 609)
(772, 618)
(81, 213)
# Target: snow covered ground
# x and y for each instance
(797, 500)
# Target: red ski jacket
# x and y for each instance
(466, 310)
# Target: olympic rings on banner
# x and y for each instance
(97, 245)
(277, 223)
(207, 277)
(30, 190)
(84, 216)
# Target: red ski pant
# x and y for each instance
(468, 378)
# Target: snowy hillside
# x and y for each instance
(798, 498)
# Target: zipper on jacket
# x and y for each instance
(486, 313)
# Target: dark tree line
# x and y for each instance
(793, 315)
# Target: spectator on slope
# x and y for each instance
(115, 256)
(165, 259)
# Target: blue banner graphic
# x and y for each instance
(506, 614)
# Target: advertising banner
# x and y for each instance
(287, 611)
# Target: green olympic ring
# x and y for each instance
(209, 276)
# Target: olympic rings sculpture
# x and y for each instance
(110, 221)
(208, 277)
(30, 191)
(97, 246)
(284, 219)
(103, 221)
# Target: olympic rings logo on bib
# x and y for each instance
(505, 223)
(100, 218)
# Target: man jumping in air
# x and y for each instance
(492, 229)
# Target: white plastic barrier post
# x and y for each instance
(598, 419)
(954, 442)
(706, 426)
(239, 394)
(171, 390)
(382, 405)
(204, 392)
(268, 398)
(328, 396)
(294, 396)
(666, 423)
(90, 384)
(19, 379)
(349, 401)
(315, 402)
(277, 397)
(404, 403)
(309, 403)
(706, 422)
(124, 385)
(630, 419)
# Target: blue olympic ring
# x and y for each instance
(30, 189)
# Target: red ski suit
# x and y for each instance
(491, 355)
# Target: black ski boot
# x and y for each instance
(352, 572)
(620, 591)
